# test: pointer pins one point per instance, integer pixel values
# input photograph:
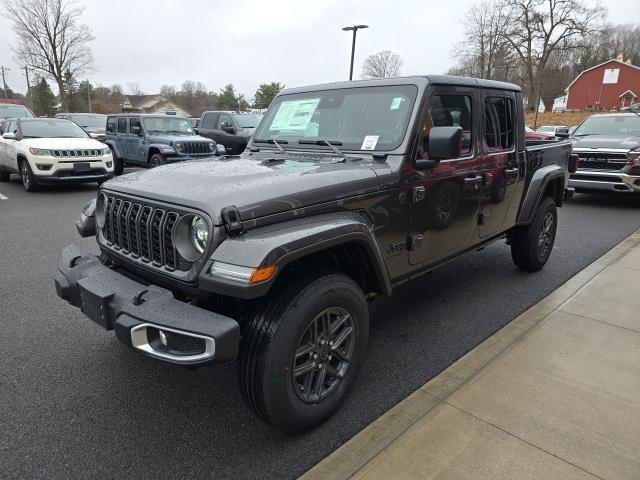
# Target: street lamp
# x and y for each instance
(355, 28)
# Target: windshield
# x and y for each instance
(246, 120)
(90, 121)
(359, 118)
(546, 130)
(52, 129)
(15, 111)
(610, 125)
(178, 126)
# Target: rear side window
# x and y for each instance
(134, 122)
(111, 125)
(450, 111)
(210, 120)
(499, 134)
(122, 125)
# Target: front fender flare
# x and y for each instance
(283, 243)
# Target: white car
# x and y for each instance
(550, 129)
(47, 150)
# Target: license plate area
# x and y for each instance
(94, 302)
(81, 167)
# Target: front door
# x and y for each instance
(499, 160)
(446, 199)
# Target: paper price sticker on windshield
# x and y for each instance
(395, 103)
(295, 114)
(370, 142)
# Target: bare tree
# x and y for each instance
(540, 28)
(50, 38)
(382, 64)
(135, 88)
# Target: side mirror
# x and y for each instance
(445, 142)
(228, 129)
(136, 130)
(195, 130)
(220, 150)
(562, 132)
(9, 136)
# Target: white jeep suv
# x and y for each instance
(47, 150)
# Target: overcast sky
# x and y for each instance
(248, 42)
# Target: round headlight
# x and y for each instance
(212, 146)
(178, 147)
(199, 233)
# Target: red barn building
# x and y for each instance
(608, 86)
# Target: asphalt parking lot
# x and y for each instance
(76, 402)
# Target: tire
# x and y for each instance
(282, 327)
(28, 178)
(156, 160)
(4, 176)
(531, 246)
(118, 165)
(443, 205)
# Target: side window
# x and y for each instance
(134, 122)
(210, 120)
(499, 134)
(13, 127)
(450, 111)
(122, 125)
(224, 121)
(111, 125)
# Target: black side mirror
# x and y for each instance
(445, 142)
(136, 130)
(562, 132)
(229, 129)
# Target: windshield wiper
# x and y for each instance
(277, 143)
(329, 143)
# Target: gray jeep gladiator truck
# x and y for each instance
(345, 191)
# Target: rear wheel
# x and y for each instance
(301, 351)
(28, 179)
(531, 246)
(156, 160)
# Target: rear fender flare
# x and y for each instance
(538, 185)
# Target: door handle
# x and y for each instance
(510, 170)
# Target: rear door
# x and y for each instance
(122, 135)
(446, 199)
(499, 159)
(208, 125)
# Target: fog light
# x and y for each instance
(163, 338)
(109, 164)
(42, 166)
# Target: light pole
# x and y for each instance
(355, 28)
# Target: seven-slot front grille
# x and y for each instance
(142, 231)
(77, 153)
(602, 160)
(195, 148)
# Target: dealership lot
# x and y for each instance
(77, 402)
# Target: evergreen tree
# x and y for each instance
(44, 101)
(228, 99)
(266, 93)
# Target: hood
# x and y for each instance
(63, 143)
(171, 139)
(605, 142)
(255, 187)
(98, 130)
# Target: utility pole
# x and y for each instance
(355, 28)
(4, 82)
(26, 72)
(89, 96)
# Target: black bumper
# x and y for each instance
(115, 301)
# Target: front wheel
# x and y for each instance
(156, 160)
(531, 246)
(118, 165)
(28, 178)
(302, 350)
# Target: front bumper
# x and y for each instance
(605, 181)
(139, 312)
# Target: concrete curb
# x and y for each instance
(355, 454)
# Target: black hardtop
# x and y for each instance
(421, 81)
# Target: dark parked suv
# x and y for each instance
(93, 123)
(231, 129)
(345, 192)
(153, 140)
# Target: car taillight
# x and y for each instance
(574, 161)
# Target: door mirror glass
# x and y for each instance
(9, 136)
(445, 142)
(562, 132)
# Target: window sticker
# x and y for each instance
(395, 103)
(294, 114)
(370, 142)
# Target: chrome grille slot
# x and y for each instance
(143, 232)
